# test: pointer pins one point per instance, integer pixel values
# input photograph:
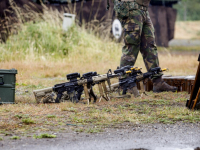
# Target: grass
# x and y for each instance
(44, 135)
(15, 138)
(43, 54)
(51, 116)
(155, 108)
(1, 139)
(187, 30)
(28, 121)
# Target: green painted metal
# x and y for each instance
(7, 86)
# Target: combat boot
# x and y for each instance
(159, 85)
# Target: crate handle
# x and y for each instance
(1, 80)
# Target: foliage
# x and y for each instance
(15, 138)
(51, 116)
(188, 10)
(28, 121)
(44, 135)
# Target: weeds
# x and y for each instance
(44, 135)
(18, 116)
(15, 138)
(51, 116)
(94, 130)
(28, 121)
(80, 130)
(1, 139)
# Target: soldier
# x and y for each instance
(139, 36)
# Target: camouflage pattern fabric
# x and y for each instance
(138, 36)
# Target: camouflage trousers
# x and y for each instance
(139, 36)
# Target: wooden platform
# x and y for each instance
(183, 83)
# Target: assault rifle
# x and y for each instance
(128, 82)
(135, 75)
(74, 87)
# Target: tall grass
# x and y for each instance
(46, 39)
(42, 49)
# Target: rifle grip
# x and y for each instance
(58, 98)
(124, 91)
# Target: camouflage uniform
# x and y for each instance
(138, 33)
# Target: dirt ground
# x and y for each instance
(181, 136)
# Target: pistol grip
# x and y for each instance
(124, 91)
(58, 98)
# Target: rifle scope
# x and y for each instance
(73, 76)
(155, 69)
(123, 69)
(89, 74)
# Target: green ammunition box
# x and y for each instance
(7, 86)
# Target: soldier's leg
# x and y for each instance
(150, 56)
(148, 45)
(132, 38)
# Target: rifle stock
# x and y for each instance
(42, 93)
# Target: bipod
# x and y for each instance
(102, 90)
(86, 93)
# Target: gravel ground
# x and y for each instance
(180, 136)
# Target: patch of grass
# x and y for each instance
(1, 139)
(51, 116)
(72, 109)
(159, 102)
(107, 109)
(44, 135)
(80, 130)
(94, 130)
(15, 138)
(28, 121)
(77, 119)
(18, 116)
(165, 121)
(7, 134)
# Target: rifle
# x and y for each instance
(128, 82)
(75, 87)
(135, 75)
